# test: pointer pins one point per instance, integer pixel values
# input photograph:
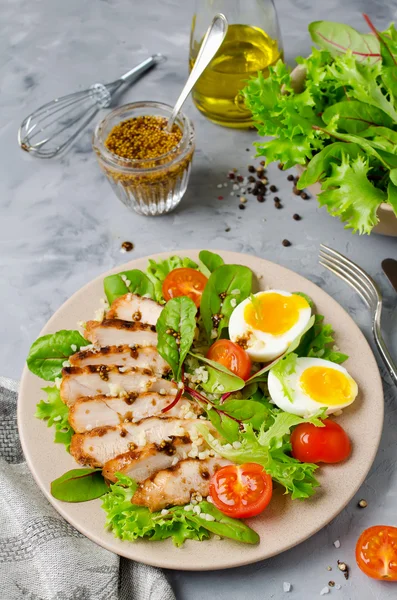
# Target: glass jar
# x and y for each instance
(252, 44)
(150, 186)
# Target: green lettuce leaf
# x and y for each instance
(56, 413)
(350, 195)
(319, 342)
(338, 39)
(356, 117)
(135, 282)
(282, 370)
(131, 522)
(158, 271)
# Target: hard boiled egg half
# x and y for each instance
(266, 324)
(316, 383)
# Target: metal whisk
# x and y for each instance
(51, 129)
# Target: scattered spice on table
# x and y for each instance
(227, 229)
(127, 246)
(241, 206)
(304, 196)
(329, 568)
(362, 503)
(243, 199)
(220, 197)
(290, 178)
(142, 137)
(296, 217)
(280, 166)
(260, 198)
(251, 169)
(342, 566)
(273, 188)
(286, 243)
(331, 583)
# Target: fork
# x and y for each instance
(366, 287)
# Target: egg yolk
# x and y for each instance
(274, 313)
(326, 386)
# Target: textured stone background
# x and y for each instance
(61, 225)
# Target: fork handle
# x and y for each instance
(383, 350)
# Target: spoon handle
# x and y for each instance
(212, 41)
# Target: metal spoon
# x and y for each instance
(212, 41)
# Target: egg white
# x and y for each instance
(302, 403)
(261, 346)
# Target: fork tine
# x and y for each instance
(353, 266)
(350, 272)
(340, 274)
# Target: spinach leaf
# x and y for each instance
(226, 526)
(227, 286)
(338, 38)
(220, 379)
(175, 328)
(79, 485)
(158, 271)
(49, 352)
(225, 425)
(246, 411)
(56, 414)
(135, 282)
(355, 117)
(209, 261)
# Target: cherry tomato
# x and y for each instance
(328, 444)
(241, 491)
(232, 356)
(184, 282)
(376, 552)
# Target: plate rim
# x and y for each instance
(156, 563)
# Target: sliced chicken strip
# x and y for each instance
(99, 411)
(96, 447)
(143, 463)
(131, 307)
(145, 357)
(94, 380)
(114, 332)
(174, 486)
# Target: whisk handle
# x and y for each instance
(142, 67)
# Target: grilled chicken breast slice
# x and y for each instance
(96, 447)
(88, 413)
(143, 357)
(144, 462)
(131, 307)
(115, 332)
(174, 486)
(94, 380)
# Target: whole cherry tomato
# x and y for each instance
(231, 356)
(328, 444)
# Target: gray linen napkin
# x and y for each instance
(42, 557)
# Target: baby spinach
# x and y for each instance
(220, 379)
(175, 328)
(79, 485)
(209, 261)
(226, 526)
(49, 352)
(228, 427)
(135, 282)
(246, 411)
(227, 286)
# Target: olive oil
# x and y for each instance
(245, 51)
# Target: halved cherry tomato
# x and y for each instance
(184, 282)
(232, 356)
(376, 552)
(328, 444)
(241, 491)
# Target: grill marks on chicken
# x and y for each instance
(88, 413)
(131, 307)
(175, 485)
(94, 380)
(143, 357)
(96, 447)
(114, 332)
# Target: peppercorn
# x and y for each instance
(280, 166)
(260, 172)
(331, 583)
(273, 188)
(251, 169)
(296, 191)
(286, 243)
(251, 179)
(127, 246)
(241, 206)
(304, 196)
(142, 137)
(240, 178)
(290, 178)
(220, 197)
(276, 199)
(278, 205)
(344, 568)
(296, 217)
(247, 149)
(262, 163)
(362, 503)
(243, 199)
(227, 229)
(255, 191)
(260, 198)
(264, 180)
